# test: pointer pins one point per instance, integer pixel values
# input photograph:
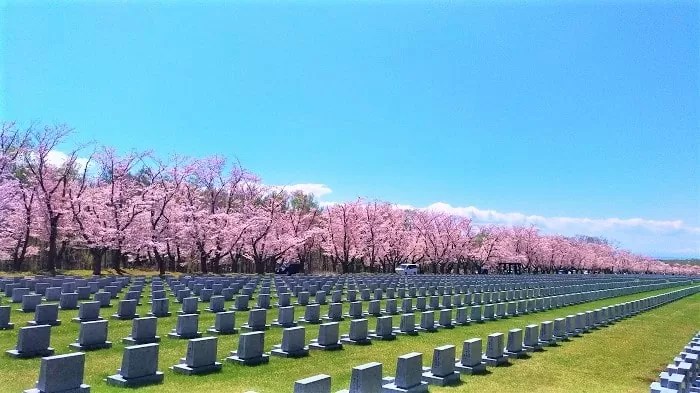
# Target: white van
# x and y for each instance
(407, 269)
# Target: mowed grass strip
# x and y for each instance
(280, 374)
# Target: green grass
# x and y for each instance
(624, 357)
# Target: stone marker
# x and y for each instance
(33, 341)
(61, 373)
(365, 378)
(335, 312)
(69, 301)
(88, 311)
(316, 384)
(186, 328)
(384, 330)
(427, 322)
(92, 336)
(445, 319)
(532, 341)
(409, 369)
(143, 331)
(257, 320)
(358, 333)
(514, 346)
(46, 314)
(29, 302)
(442, 372)
(104, 298)
(328, 337)
(471, 360)
(312, 314)
(224, 323)
(139, 367)
(200, 358)
(160, 308)
(293, 343)
(407, 325)
(216, 304)
(126, 310)
(190, 305)
(5, 323)
(494, 355)
(546, 334)
(250, 350)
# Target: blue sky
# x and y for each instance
(581, 117)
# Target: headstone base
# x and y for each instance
(333, 347)
(432, 379)
(187, 370)
(296, 354)
(517, 355)
(550, 343)
(131, 341)
(312, 322)
(535, 348)
(222, 332)
(185, 313)
(429, 330)
(401, 333)
(345, 339)
(124, 317)
(26, 355)
(248, 328)
(392, 388)
(78, 320)
(118, 380)
(9, 326)
(51, 323)
(470, 370)
(163, 315)
(264, 359)
(387, 337)
(495, 362)
(185, 336)
(92, 347)
(82, 389)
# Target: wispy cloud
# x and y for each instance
(318, 190)
(566, 224)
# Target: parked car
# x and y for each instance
(407, 269)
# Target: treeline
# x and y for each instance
(96, 207)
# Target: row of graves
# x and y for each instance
(63, 373)
(683, 374)
(458, 300)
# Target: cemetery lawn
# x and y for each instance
(624, 357)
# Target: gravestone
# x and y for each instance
(384, 329)
(315, 384)
(104, 298)
(335, 312)
(29, 302)
(494, 355)
(475, 314)
(69, 301)
(200, 358)
(462, 316)
(407, 325)
(143, 331)
(224, 323)
(250, 350)
(33, 341)
(293, 343)
(427, 322)
(445, 319)
(46, 314)
(160, 308)
(92, 336)
(355, 311)
(471, 360)
(532, 341)
(409, 369)
(514, 346)
(61, 373)
(312, 314)
(257, 320)
(88, 311)
(328, 337)
(186, 328)
(546, 334)
(139, 367)
(358, 334)
(442, 371)
(190, 305)
(5, 323)
(126, 310)
(285, 317)
(365, 378)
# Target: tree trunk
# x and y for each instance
(53, 236)
(97, 254)
(259, 265)
(117, 261)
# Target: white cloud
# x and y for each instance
(58, 158)
(564, 224)
(316, 189)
